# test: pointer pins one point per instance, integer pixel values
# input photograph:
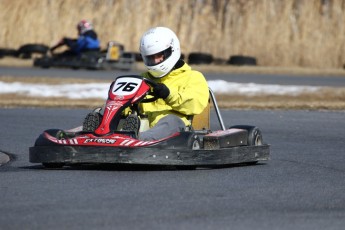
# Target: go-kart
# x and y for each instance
(101, 138)
(113, 57)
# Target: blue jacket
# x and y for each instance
(85, 42)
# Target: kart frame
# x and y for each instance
(240, 144)
(113, 57)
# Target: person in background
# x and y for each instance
(87, 40)
(182, 92)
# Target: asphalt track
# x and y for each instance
(282, 79)
(301, 187)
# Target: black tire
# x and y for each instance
(92, 121)
(242, 60)
(200, 58)
(254, 134)
(8, 52)
(254, 137)
(25, 51)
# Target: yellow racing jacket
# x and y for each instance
(189, 95)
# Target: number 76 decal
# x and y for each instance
(123, 87)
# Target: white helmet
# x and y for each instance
(160, 40)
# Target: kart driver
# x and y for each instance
(182, 92)
(87, 40)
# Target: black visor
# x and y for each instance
(150, 59)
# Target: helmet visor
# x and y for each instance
(155, 59)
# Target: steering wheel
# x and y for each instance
(152, 84)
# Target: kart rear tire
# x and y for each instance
(254, 137)
(254, 134)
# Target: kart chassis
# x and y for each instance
(235, 145)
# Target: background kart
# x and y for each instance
(113, 57)
(102, 140)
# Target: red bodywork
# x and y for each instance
(121, 93)
(114, 140)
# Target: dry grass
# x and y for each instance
(13, 101)
(306, 33)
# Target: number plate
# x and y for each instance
(126, 86)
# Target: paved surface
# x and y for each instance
(301, 187)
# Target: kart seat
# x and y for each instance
(202, 121)
(114, 51)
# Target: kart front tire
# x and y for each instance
(92, 121)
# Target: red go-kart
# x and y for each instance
(101, 139)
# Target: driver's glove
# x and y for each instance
(161, 90)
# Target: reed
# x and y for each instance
(306, 33)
